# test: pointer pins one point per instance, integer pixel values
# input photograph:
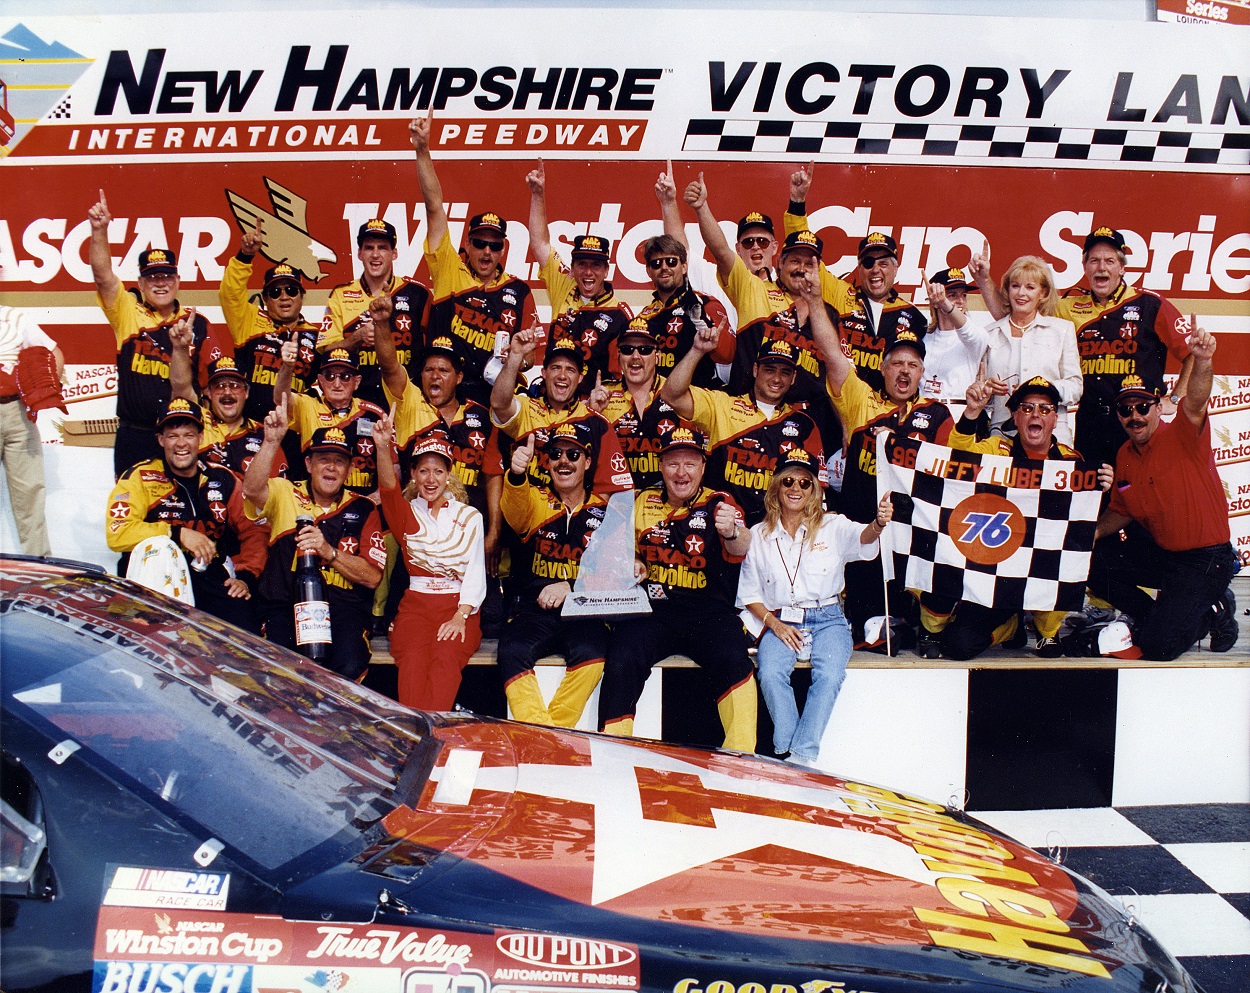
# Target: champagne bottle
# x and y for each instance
(312, 610)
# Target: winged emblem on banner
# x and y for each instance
(285, 229)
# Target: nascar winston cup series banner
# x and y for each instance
(942, 131)
(998, 532)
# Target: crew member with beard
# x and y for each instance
(635, 408)
(865, 412)
(583, 306)
(339, 407)
(230, 438)
(200, 508)
(1167, 526)
(756, 245)
(690, 541)
(749, 434)
(347, 322)
(964, 630)
(554, 523)
(676, 312)
(346, 537)
(772, 312)
(140, 320)
(476, 303)
(260, 332)
(871, 313)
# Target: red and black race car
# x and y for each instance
(186, 808)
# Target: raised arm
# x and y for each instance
(420, 130)
(676, 389)
(823, 332)
(286, 372)
(182, 336)
(99, 253)
(540, 234)
(256, 479)
(979, 266)
(1202, 348)
(394, 375)
(713, 236)
(503, 402)
(670, 212)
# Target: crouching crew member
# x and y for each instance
(555, 523)
(1170, 503)
(690, 540)
(347, 538)
(200, 508)
(437, 629)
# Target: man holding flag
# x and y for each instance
(970, 628)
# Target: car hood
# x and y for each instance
(720, 854)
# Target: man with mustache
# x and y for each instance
(1169, 502)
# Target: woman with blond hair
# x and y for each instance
(790, 587)
(437, 629)
(1030, 341)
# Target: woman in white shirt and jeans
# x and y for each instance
(791, 584)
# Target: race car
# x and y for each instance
(188, 808)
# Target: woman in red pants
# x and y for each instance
(437, 628)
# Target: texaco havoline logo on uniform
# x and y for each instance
(986, 528)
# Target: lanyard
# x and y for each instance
(792, 576)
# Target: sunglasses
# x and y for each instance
(802, 482)
(664, 262)
(283, 290)
(1128, 409)
(757, 241)
(631, 349)
(338, 377)
(1037, 408)
(481, 244)
(570, 455)
(229, 385)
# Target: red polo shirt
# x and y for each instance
(1172, 488)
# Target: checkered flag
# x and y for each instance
(1005, 533)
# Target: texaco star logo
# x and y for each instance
(378, 543)
(694, 544)
(666, 426)
(590, 337)
(119, 511)
(349, 545)
(509, 318)
(403, 322)
(477, 439)
(364, 446)
(618, 463)
(218, 510)
(674, 326)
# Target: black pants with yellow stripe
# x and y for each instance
(713, 638)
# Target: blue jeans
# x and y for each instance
(831, 648)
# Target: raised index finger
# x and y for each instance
(669, 164)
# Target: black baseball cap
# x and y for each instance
(180, 411)
(158, 262)
(756, 220)
(1111, 236)
(377, 228)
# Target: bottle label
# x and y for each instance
(805, 651)
(312, 623)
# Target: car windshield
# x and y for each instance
(269, 755)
